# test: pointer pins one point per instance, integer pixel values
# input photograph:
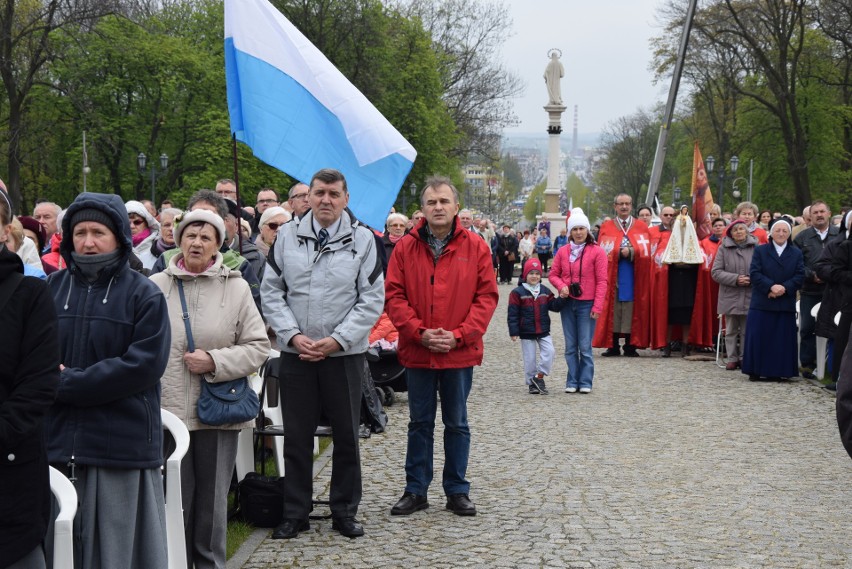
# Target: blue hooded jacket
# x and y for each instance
(114, 338)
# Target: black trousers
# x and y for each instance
(507, 267)
(330, 388)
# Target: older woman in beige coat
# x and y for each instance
(731, 271)
(230, 342)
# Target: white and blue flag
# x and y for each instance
(298, 113)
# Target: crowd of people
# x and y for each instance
(130, 309)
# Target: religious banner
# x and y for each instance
(702, 198)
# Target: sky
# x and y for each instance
(605, 53)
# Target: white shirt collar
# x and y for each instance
(331, 229)
(779, 248)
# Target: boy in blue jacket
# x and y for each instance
(529, 320)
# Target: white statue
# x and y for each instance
(553, 75)
(683, 247)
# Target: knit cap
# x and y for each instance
(531, 265)
(578, 219)
(96, 215)
(184, 220)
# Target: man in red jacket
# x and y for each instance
(440, 294)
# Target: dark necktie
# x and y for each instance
(322, 237)
(624, 224)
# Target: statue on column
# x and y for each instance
(553, 74)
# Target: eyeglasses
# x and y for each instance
(273, 226)
(623, 203)
(137, 221)
(666, 215)
(266, 201)
(299, 196)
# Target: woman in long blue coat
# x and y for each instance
(777, 272)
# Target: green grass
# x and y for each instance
(238, 530)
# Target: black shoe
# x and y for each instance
(831, 386)
(460, 505)
(808, 375)
(408, 504)
(289, 529)
(667, 351)
(611, 352)
(348, 527)
(534, 390)
(752, 377)
(630, 351)
(538, 382)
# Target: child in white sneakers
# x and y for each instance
(529, 320)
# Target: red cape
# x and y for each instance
(610, 241)
(660, 286)
(704, 309)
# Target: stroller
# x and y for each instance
(388, 374)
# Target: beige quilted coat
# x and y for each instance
(225, 323)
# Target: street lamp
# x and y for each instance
(676, 197)
(736, 191)
(413, 191)
(153, 171)
(709, 163)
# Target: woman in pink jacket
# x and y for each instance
(579, 274)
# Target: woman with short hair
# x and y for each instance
(166, 240)
(748, 212)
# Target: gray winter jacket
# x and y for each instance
(732, 261)
(336, 291)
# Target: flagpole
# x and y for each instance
(237, 185)
(660, 153)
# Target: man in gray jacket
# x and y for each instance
(323, 294)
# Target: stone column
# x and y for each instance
(553, 190)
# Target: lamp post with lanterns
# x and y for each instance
(709, 164)
(153, 171)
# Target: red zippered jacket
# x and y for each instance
(457, 293)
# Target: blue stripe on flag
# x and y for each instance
(286, 127)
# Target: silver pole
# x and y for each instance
(750, 173)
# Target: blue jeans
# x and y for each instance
(578, 327)
(454, 386)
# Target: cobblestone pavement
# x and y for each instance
(667, 463)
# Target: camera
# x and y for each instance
(575, 290)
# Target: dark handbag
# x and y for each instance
(511, 257)
(261, 500)
(224, 402)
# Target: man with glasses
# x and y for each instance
(266, 198)
(626, 306)
(298, 199)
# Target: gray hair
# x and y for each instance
(211, 197)
(396, 216)
(746, 205)
(435, 181)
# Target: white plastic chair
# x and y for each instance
(175, 537)
(821, 344)
(245, 440)
(63, 528)
(720, 338)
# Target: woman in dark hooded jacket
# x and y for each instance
(104, 431)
